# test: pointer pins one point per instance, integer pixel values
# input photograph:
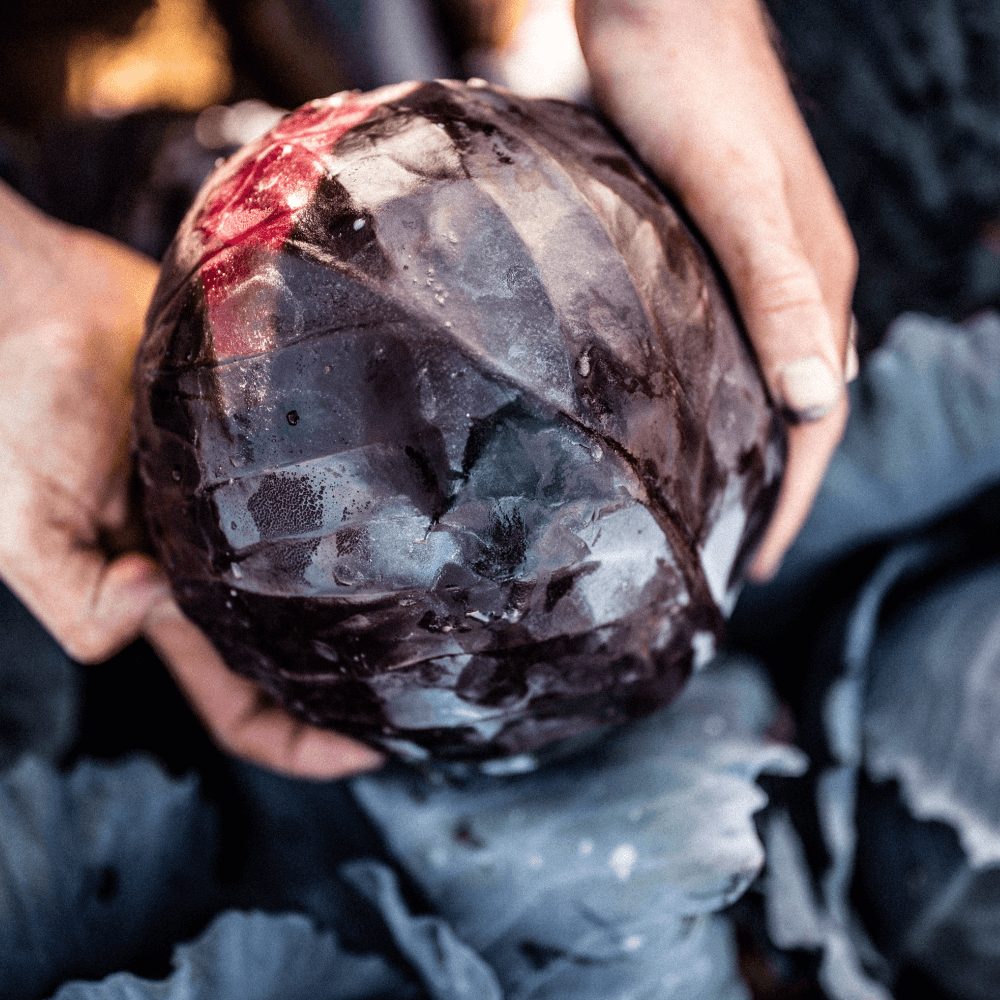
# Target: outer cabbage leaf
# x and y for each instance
(38, 688)
(258, 956)
(596, 876)
(911, 693)
(449, 969)
(98, 870)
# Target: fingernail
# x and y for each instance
(808, 388)
(852, 365)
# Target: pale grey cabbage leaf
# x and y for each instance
(598, 876)
(98, 868)
(258, 956)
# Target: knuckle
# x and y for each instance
(792, 285)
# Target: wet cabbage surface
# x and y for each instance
(448, 436)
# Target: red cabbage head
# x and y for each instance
(448, 435)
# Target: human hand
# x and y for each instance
(696, 87)
(71, 313)
(71, 316)
(239, 716)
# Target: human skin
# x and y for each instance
(71, 317)
(695, 86)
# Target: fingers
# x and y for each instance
(792, 272)
(808, 353)
(237, 713)
(93, 607)
(70, 319)
(796, 307)
(95, 627)
(810, 447)
(704, 100)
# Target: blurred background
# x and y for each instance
(99, 106)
